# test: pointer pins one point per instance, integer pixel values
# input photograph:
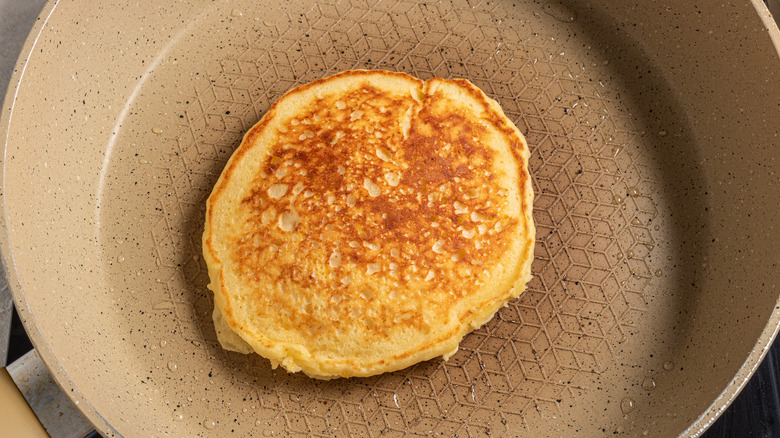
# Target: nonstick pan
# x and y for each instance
(654, 132)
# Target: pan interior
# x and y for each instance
(602, 270)
(595, 345)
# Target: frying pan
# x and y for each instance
(654, 132)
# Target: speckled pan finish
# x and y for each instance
(653, 129)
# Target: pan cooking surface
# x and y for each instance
(599, 211)
(593, 347)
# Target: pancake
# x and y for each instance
(368, 222)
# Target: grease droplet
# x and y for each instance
(120, 259)
(646, 433)
(659, 272)
(157, 130)
(178, 416)
(630, 254)
(237, 13)
(163, 343)
(172, 366)
(560, 12)
(648, 384)
(268, 432)
(209, 424)
(627, 405)
(668, 365)
(163, 305)
(633, 192)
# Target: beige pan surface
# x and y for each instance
(653, 132)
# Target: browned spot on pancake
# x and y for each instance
(419, 211)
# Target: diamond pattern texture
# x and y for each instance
(594, 225)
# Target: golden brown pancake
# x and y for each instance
(368, 222)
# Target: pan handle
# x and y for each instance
(15, 415)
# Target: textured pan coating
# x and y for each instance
(368, 222)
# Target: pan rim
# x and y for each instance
(20, 301)
(769, 334)
(696, 429)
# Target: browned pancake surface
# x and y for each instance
(375, 224)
